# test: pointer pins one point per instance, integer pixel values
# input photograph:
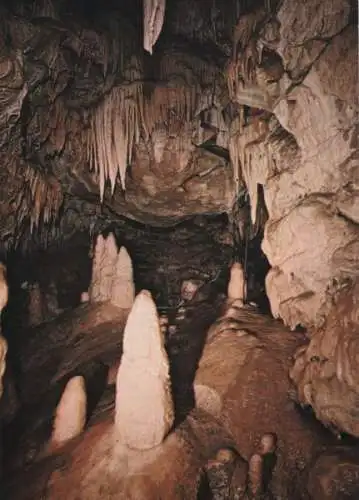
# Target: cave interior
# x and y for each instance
(179, 246)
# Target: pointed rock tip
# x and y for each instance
(70, 417)
(236, 285)
(142, 326)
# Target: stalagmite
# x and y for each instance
(103, 270)
(70, 415)
(84, 298)
(4, 290)
(4, 296)
(237, 286)
(112, 274)
(36, 313)
(3, 352)
(144, 406)
(153, 17)
(108, 267)
(123, 288)
(94, 291)
(255, 474)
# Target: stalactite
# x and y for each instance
(153, 17)
(39, 201)
(234, 150)
(126, 114)
(114, 130)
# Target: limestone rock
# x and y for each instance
(104, 265)
(326, 372)
(112, 274)
(36, 306)
(305, 156)
(237, 284)
(3, 352)
(335, 475)
(4, 289)
(70, 415)
(144, 407)
(123, 288)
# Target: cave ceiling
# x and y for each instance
(111, 112)
(87, 115)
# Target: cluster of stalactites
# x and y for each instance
(127, 115)
(114, 129)
(40, 200)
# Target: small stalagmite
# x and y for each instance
(36, 306)
(70, 417)
(4, 290)
(237, 285)
(3, 352)
(98, 254)
(123, 287)
(144, 406)
(4, 296)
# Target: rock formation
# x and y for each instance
(304, 152)
(144, 406)
(3, 352)
(132, 123)
(4, 295)
(326, 371)
(238, 451)
(70, 417)
(112, 274)
(188, 141)
(237, 288)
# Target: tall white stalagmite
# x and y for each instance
(144, 406)
(123, 287)
(103, 269)
(112, 274)
(153, 17)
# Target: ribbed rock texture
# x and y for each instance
(326, 371)
(302, 63)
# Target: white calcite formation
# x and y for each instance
(237, 288)
(70, 417)
(112, 274)
(3, 352)
(144, 406)
(123, 288)
(4, 289)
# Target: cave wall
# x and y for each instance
(305, 152)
